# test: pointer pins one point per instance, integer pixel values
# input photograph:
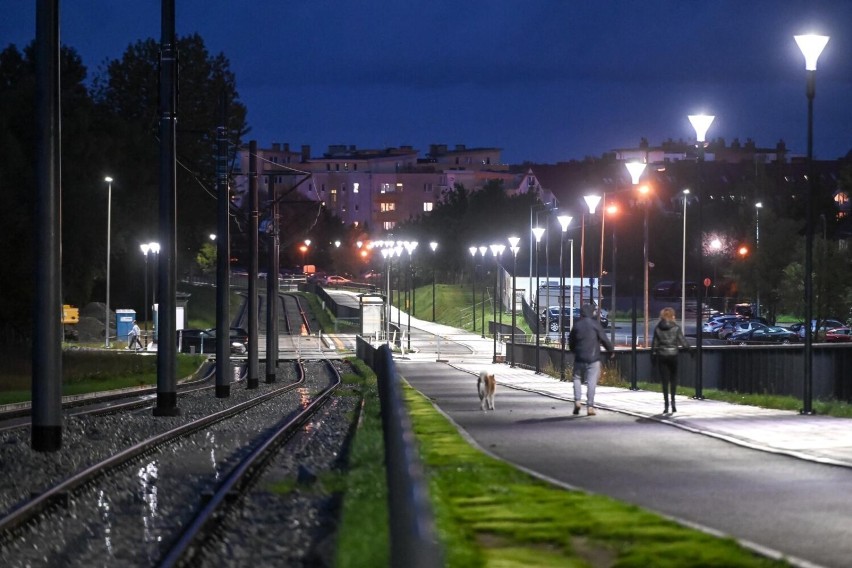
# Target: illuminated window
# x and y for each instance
(399, 186)
(334, 196)
(384, 207)
(427, 206)
(355, 187)
(387, 188)
(388, 225)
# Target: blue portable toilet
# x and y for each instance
(123, 323)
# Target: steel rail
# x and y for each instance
(239, 480)
(28, 510)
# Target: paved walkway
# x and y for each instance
(822, 439)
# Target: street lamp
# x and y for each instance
(635, 169)
(811, 46)
(564, 221)
(473, 283)
(757, 207)
(592, 203)
(482, 251)
(409, 248)
(612, 210)
(683, 266)
(537, 232)
(644, 190)
(109, 231)
(701, 123)
(513, 246)
(386, 254)
(433, 245)
(145, 247)
(496, 251)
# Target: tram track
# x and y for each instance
(175, 465)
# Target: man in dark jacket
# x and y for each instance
(585, 342)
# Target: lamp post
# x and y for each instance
(496, 251)
(646, 307)
(145, 247)
(397, 250)
(482, 251)
(434, 246)
(513, 246)
(811, 46)
(409, 248)
(757, 207)
(472, 251)
(386, 254)
(635, 169)
(592, 203)
(701, 123)
(564, 221)
(537, 232)
(109, 232)
(612, 210)
(683, 266)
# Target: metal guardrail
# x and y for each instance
(414, 540)
(752, 369)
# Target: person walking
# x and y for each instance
(668, 339)
(585, 340)
(133, 337)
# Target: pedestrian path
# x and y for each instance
(822, 439)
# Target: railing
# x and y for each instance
(412, 525)
(752, 369)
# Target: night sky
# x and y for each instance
(546, 81)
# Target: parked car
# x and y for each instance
(715, 323)
(552, 323)
(764, 335)
(204, 341)
(336, 280)
(733, 327)
(839, 335)
(824, 326)
(239, 339)
(195, 340)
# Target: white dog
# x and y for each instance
(486, 386)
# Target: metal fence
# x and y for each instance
(750, 369)
(414, 540)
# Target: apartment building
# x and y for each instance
(376, 188)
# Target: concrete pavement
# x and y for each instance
(821, 439)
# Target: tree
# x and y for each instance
(81, 159)
(126, 92)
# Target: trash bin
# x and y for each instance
(123, 323)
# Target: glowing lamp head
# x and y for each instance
(592, 201)
(701, 123)
(811, 46)
(635, 169)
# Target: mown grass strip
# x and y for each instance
(489, 513)
(362, 538)
(99, 370)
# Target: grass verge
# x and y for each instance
(489, 513)
(100, 370)
(362, 538)
(836, 408)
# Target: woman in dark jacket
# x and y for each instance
(668, 338)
